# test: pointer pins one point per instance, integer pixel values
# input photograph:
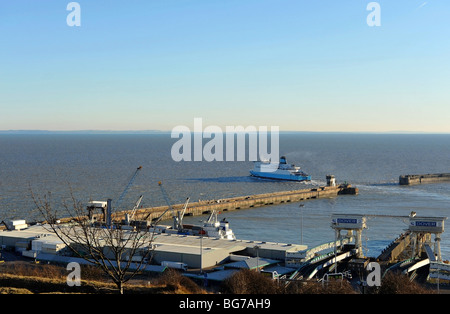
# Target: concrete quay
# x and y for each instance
(423, 178)
(225, 204)
(244, 202)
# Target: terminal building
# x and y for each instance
(37, 241)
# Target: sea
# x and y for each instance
(100, 166)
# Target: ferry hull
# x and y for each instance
(278, 176)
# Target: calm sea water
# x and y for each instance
(97, 167)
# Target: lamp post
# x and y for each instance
(257, 247)
(301, 213)
(201, 248)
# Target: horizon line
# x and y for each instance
(87, 131)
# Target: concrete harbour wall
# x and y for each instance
(423, 178)
(245, 202)
(229, 204)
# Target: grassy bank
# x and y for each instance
(29, 278)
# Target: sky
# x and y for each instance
(157, 64)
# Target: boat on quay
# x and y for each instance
(211, 228)
(279, 171)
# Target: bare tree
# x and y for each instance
(120, 252)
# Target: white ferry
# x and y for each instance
(279, 171)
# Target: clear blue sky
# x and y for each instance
(155, 64)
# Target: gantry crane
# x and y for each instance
(120, 199)
(177, 219)
(106, 207)
(108, 218)
(136, 206)
(181, 215)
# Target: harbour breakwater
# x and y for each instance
(243, 202)
(205, 207)
(423, 178)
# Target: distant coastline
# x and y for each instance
(31, 132)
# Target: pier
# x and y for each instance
(222, 205)
(412, 179)
(243, 202)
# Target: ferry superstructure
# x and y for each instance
(279, 171)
